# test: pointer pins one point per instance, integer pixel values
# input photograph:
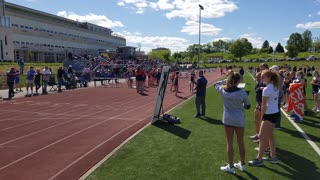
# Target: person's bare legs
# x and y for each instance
(240, 141)
(229, 135)
(257, 120)
(266, 131)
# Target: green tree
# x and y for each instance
(316, 46)
(220, 46)
(279, 48)
(240, 48)
(293, 51)
(307, 40)
(265, 45)
(161, 54)
(270, 50)
(295, 40)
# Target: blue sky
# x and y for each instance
(174, 23)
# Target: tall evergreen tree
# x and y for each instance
(279, 48)
(265, 45)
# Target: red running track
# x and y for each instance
(61, 136)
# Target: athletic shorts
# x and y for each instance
(29, 81)
(274, 118)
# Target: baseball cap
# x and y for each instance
(275, 67)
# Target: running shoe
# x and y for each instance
(240, 166)
(228, 169)
(256, 162)
(273, 160)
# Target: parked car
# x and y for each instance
(311, 58)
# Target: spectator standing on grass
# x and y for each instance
(241, 72)
(235, 100)
(21, 65)
(30, 80)
(316, 90)
(45, 78)
(201, 87)
(257, 112)
(37, 81)
(11, 74)
(60, 75)
(269, 117)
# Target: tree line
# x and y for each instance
(241, 47)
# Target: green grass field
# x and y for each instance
(195, 149)
(302, 64)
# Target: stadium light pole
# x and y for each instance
(199, 51)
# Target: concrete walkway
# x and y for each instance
(4, 92)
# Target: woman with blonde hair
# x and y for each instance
(269, 116)
(235, 100)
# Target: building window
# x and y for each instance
(5, 40)
(1, 50)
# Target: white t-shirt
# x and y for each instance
(272, 103)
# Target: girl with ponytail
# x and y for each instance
(269, 116)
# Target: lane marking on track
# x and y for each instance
(306, 137)
(96, 166)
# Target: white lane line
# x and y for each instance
(78, 132)
(306, 137)
(96, 166)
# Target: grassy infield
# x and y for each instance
(196, 148)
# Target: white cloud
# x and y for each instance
(162, 5)
(189, 9)
(139, 6)
(192, 28)
(100, 20)
(257, 41)
(310, 15)
(309, 25)
(120, 4)
(286, 39)
(223, 39)
(149, 42)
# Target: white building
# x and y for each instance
(39, 36)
